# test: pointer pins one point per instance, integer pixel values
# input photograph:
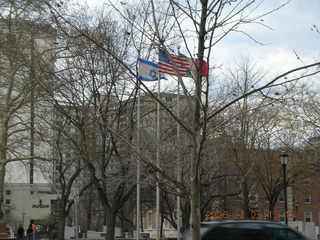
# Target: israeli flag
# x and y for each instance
(147, 71)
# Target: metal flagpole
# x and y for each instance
(138, 166)
(179, 170)
(179, 166)
(158, 165)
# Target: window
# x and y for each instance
(307, 181)
(295, 201)
(168, 99)
(281, 197)
(229, 212)
(282, 215)
(149, 219)
(8, 201)
(307, 217)
(266, 213)
(307, 198)
(8, 192)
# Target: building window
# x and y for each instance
(307, 181)
(8, 192)
(149, 220)
(307, 197)
(8, 201)
(168, 99)
(266, 213)
(282, 215)
(229, 212)
(295, 201)
(307, 217)
(281, 197)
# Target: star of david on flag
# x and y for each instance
(147, 71)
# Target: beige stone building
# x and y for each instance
(23, 202)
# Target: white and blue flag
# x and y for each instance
(147, 71)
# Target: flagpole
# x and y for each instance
(158, 165)
(179, 170)
(138, 166)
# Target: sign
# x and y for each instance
(40, 206)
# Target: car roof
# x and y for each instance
(236, 221)
(207, 225)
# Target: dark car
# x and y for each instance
(246, 230)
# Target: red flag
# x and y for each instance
(204, 69)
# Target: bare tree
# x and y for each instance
(92, 85)
(211, 22)
(20, 52)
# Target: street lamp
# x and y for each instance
(284, 161)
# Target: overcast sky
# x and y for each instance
(291, 32)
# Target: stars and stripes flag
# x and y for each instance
(173, 64)
(179, 65)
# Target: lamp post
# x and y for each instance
(284, 161)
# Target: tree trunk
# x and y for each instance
(61, 221)
(89, 211)
(245, 200)
(195, 193)
(161, 227)
(61, 224)
(198, 127)
(271, 211)
(2, 177)
(111, 223)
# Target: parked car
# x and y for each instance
(246, 230)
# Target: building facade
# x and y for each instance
(24, 202)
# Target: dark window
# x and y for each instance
(8, 201)
(8, 192)
(308, 216)
(307, 197)
(281, 197)
(169, 99)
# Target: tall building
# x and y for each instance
(27, 58)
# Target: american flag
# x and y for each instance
(173, 64)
